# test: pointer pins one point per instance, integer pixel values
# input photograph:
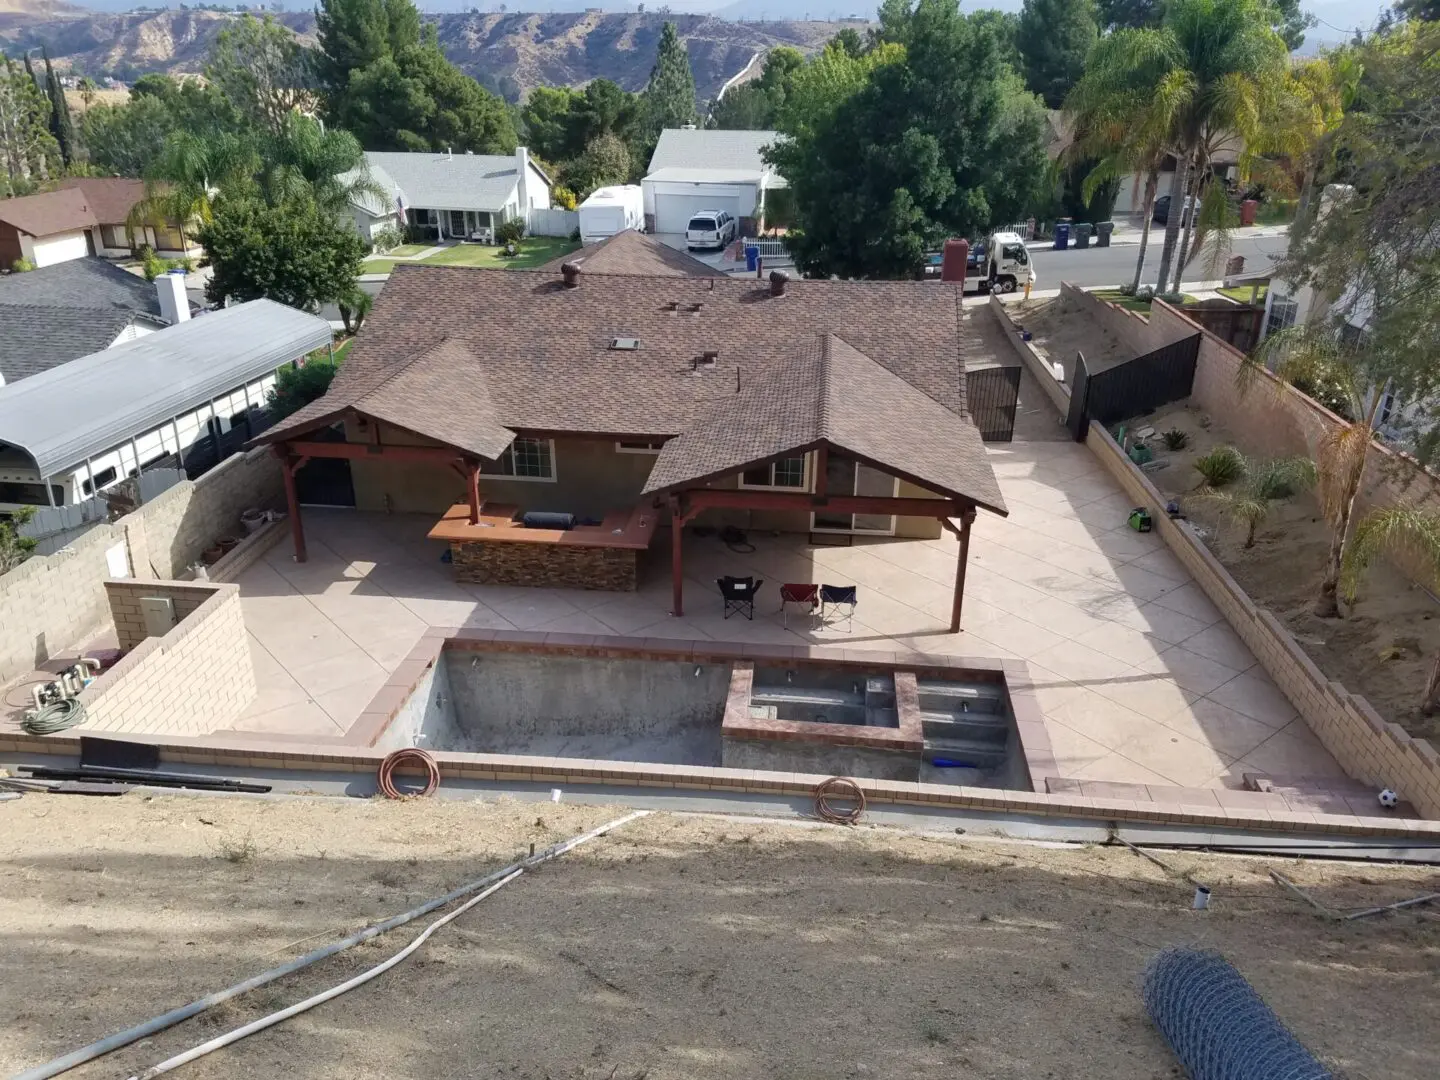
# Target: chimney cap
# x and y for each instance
(571, 272)
(779, 279)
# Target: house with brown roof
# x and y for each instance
(556, 421)
(632, 252)
(85, 215)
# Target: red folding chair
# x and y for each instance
(808, 595)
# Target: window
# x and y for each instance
(524, 459)
(115, 236)
(31, 494)
(788, 474)
(1282, 314)
(100, 480)
(168, 238)
(1015, 253)
(651, 446)
(704, 224)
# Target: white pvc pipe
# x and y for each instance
(319, 999)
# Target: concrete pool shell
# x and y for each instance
(712, 706)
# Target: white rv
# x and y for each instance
(611, 210)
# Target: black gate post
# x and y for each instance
(1078, 420)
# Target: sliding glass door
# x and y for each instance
(844, 476)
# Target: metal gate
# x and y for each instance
(1133, 387)
(991, 395)
(1078, 419)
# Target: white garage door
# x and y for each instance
(672, 212)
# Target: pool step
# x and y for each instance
(973, 752)
(936, 696)
(976, 727)
(802, 695)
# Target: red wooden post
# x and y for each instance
(288, 465)
(472, 488)
(967, 518)
(677, 569)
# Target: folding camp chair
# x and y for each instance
(808, 595)
(739, 595)
(840, 598)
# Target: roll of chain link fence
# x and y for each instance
(1217, 1025)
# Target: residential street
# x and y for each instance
(1115, 265)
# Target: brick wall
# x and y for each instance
(1138, 334)
(127, 615)
(1365, 746)
(51, 602)
(192, 681)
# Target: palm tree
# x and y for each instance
(1264, 484)
(303, 158)
(1410, 537)
(1206, 74)
(1317, 359)
(191, 171)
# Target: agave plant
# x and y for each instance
(1264, 484)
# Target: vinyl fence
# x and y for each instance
(552, 221)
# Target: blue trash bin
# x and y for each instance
(1062, 235)
(752, 257)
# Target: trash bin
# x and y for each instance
(1248, 209)
(1062, 235)
(752, 257)
(1102, 233)
(1082, 234)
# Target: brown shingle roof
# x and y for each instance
(630, 252)
(833, 393)
(49, 212)
(544, 354)
(111, 198)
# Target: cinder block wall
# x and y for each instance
(125, 611)
(51, 602)
(1133, 329)
(192, 681)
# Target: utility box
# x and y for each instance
(159, 615)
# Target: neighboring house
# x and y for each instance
(694, 170)
(449, 196)
(806, 406)
(86, 215)
(631, 252)
(180, 396)
(71, 309)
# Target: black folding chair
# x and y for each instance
(739, 595)
(841, 598)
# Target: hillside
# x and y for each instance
(511, 52)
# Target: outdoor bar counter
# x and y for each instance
(500, 550)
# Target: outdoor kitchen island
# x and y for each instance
(500, 549)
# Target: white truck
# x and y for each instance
(611, 210)
(1006, 264)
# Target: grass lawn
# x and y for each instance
(1132, 303)
(1241, 293)
(534, 251)
(342, 349)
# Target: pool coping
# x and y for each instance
(354, 751)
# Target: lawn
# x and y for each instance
(534, 251)
(1132, 303)
(1241, 294)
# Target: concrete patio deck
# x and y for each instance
(1140, 679)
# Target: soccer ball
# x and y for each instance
(1389, 799)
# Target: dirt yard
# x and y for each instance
(1385, 645)
(677, 947)
(1059, 330)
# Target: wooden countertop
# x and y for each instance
(630, 529)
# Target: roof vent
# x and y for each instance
(779, 280)
(673, 306)
(707, 359)
(695, 307)
(625, 344)
(571, 272)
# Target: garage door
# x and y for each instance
(672, 212)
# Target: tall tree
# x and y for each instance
(28, 152)
(1053, 38)
(669, 96)
(61, 124)
(127, 139)
(353, 34)
(937, 138)
(1285, 17)
(547, 118)
(261, 67)
(605, 161)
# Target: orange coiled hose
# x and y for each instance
(409, 756)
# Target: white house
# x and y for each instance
(449, 196)
(74, 430)
(695, 170)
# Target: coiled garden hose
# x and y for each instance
(57, 716)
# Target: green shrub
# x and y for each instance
(1174, 299)
(387, 238)
(1221, 466)
(510, 232)
(1175, 439)
(14, 548)
(296, 387)
(22, 265)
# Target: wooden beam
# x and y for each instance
(289, 465)
(739, 499)
(967, 519)
(822, 466)
(438, 455)
(472, 489)
(677, 569)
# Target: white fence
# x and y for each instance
(772, 249)
(1026, 229)
(552, 221)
